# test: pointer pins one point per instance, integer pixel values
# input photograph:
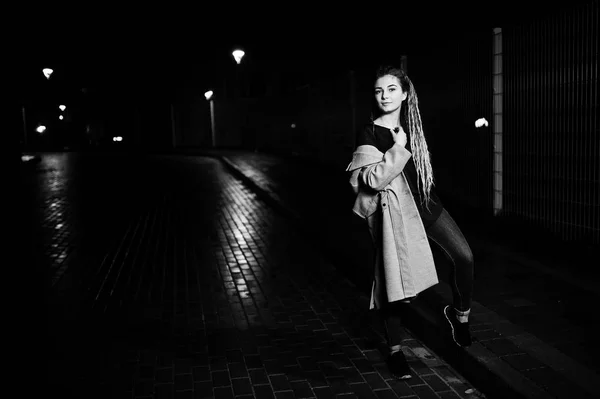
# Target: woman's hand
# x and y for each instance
(400, 138)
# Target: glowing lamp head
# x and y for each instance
(238, 55)
(481, 122)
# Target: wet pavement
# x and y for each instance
(169, 276)
(534, 320)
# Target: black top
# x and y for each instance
(383, 140)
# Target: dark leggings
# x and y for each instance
(446, 235)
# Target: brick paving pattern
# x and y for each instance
(532, 324)
(179, 282)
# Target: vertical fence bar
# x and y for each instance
(497, 119)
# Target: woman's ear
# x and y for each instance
(404, 96)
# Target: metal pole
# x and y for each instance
(212, 123)
(497, 119)
(24, 128)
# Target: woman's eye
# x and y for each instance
(392, 89)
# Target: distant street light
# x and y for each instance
(41, 129)
(61, 117)
(481, 122)
(62, 107)
(238, 55)
(47, 72)
(209, 97)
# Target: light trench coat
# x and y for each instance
(403, 265)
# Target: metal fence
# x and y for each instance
(551, 138)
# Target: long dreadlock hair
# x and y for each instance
(410, 119)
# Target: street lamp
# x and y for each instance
(209, 97)
(238, 55)
(62, 107)
(47, 72)
(481, 122)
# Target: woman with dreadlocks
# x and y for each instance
(392, 176)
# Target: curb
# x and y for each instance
(482, 367)
(420, 319)
(264, 194)
(478, 364)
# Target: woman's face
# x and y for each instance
(389, 94)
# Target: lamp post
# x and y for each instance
(209, 97)
(47, 72)
(62, 109)
(238, 54)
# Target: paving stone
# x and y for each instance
(183, 382)
(164, 391)
(263, 391)
(501, 346)
(220, 378)
(280, 382)
(285, 395)
(302, 389)
(339, 385)
(324, 393)
(237, 370)
(401, 388)
(555, 384)
(213, 293)
(522, 361)
(374, 380)
(435, 382)
(424, 391)
(258, 376)
(223, 393)
(241, 386)
(363, 390)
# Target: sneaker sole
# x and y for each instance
(406, 376)
(451, 325)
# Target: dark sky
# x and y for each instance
(105, 45)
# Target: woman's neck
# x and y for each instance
(389, 120)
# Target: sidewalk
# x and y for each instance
(535, 327)
(171, 279)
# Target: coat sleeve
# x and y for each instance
(378, 175)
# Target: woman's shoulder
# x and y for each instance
(365, 135)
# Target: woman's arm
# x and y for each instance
(377, 176)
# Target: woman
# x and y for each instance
(392, 176)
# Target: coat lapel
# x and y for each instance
(404, 263)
